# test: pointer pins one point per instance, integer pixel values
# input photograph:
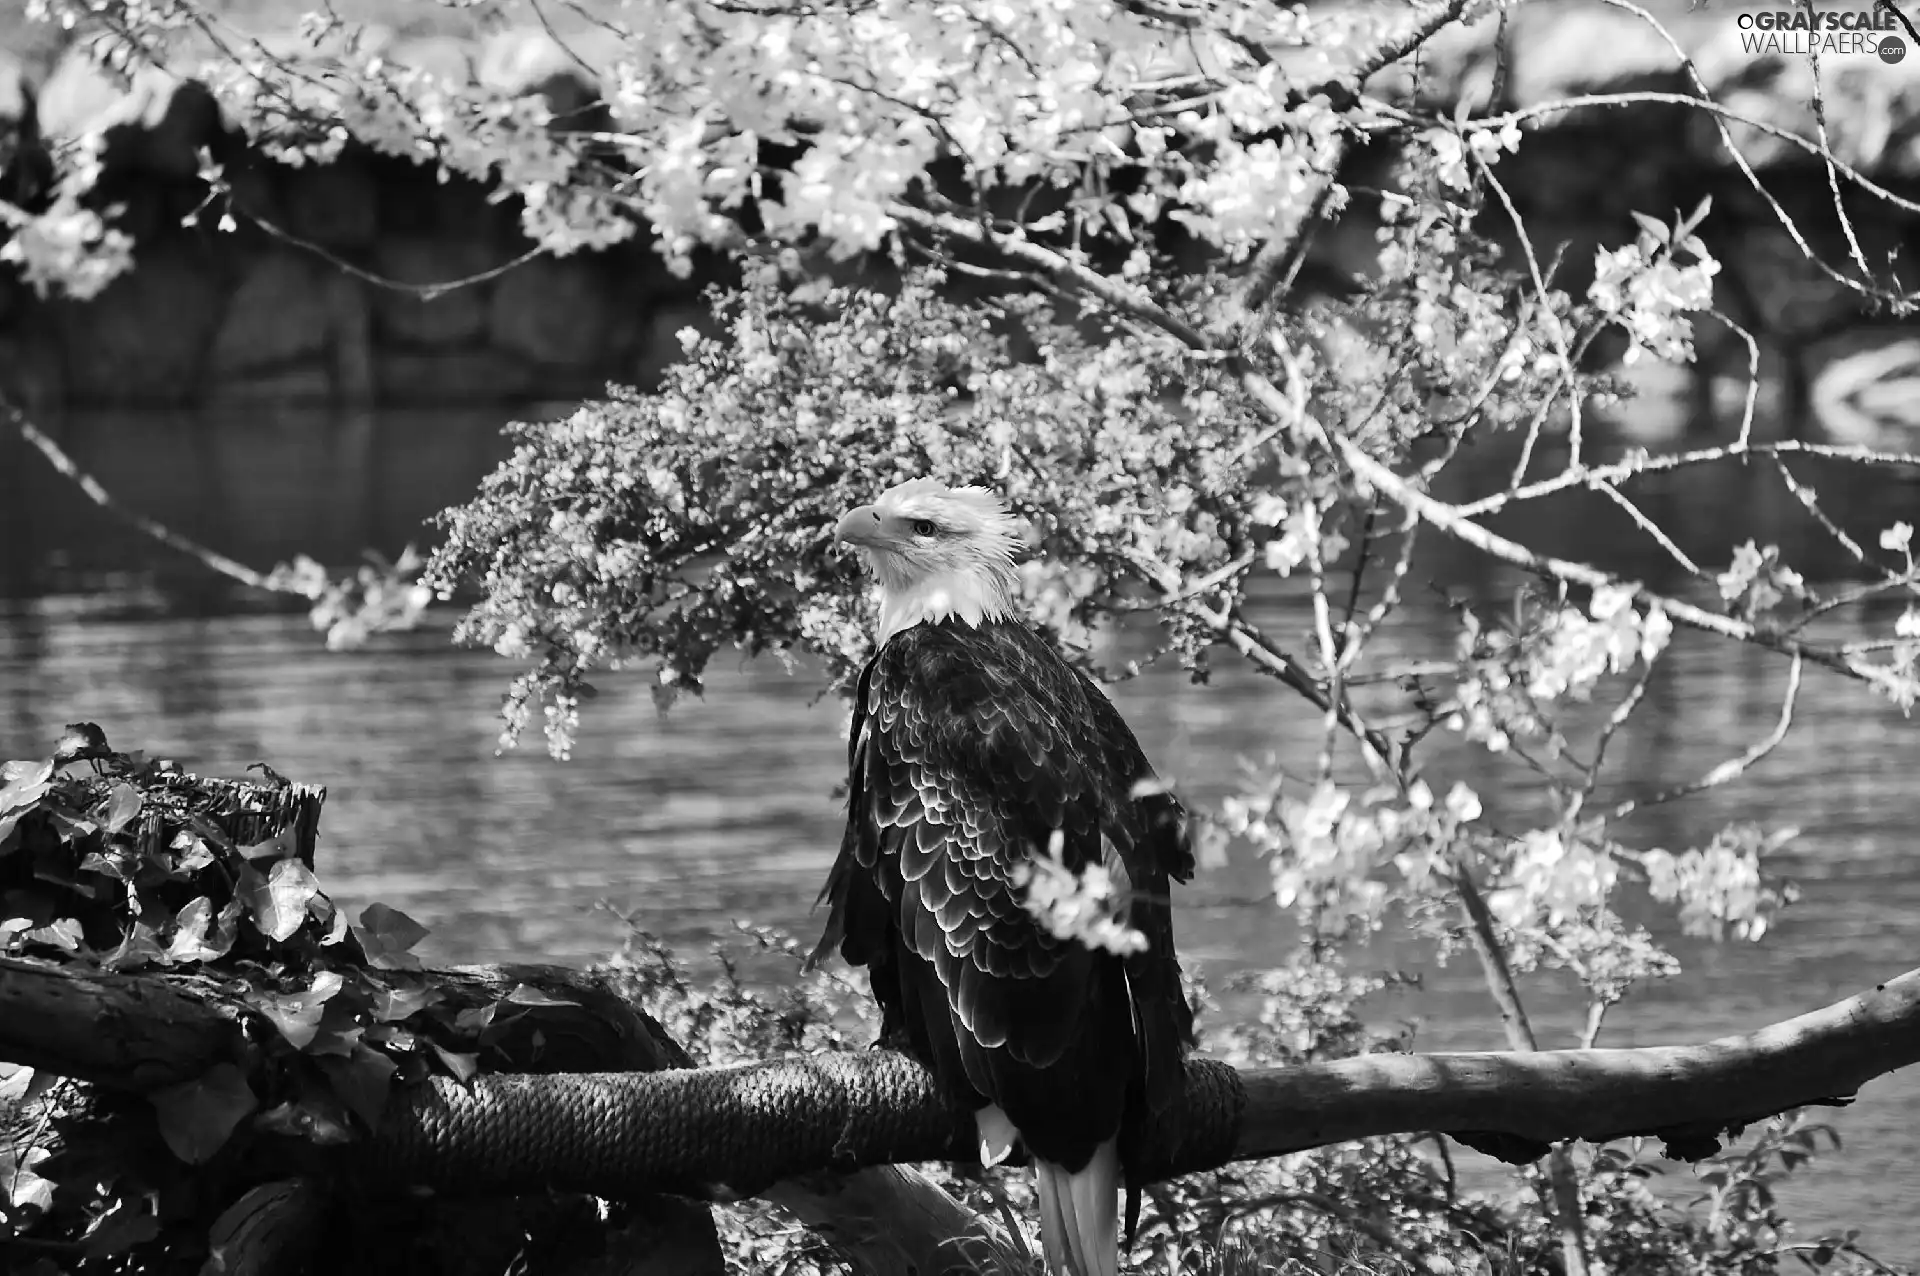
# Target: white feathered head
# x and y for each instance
(937, 552)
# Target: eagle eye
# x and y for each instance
(924, 527)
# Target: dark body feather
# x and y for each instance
(969, 746)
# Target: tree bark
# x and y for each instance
(166, 1029)
(126, 1032)
(726, 1133)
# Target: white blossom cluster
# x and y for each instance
(1085, 907)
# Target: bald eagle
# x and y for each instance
(975, 747)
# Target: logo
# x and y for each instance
(1799, 32)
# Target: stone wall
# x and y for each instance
(237, 317)
(227, 320)
(292, 306)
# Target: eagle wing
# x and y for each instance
(970, 747)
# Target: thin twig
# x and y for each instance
(1640, 464)
(1548, 318)
(1278, 407)
(1650, 527)
(1733, 768)
(150, 527)
(1615, 720)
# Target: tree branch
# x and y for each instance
(1426, 25)
(729, 1132)
(91, 487)
(126, 1032)
(725, 1133)
(1449, 519)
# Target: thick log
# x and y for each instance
(126, 1032)
(725, 1133)
(143, 1031)
(1685, 1095)
(168, 1029)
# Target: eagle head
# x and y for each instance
(937, 553)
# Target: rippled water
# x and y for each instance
(723, 809)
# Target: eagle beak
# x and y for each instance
(860, 526)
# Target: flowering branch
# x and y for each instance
(1733, 768)
(379, 597)
(152, 528)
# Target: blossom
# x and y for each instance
(1554, 877)
(1651, 296)
(1721, 886)
(1084, 907)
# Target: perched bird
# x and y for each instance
(974, 745)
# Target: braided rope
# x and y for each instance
(714, 1133)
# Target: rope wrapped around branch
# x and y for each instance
(724, 1133)
(715, 1133)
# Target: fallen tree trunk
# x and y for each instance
(126, 1032)
(727, 1133)
(139, 1033)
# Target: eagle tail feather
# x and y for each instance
(1080, 1214)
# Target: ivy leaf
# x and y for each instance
(26, 782)
(25, 1190)
(475, 1019)
(72, 828)
(362, 1080)
(226, 927)
(139, 947)
(128, 1222)
(189, 942)
(464, 1067)
(20, 1084)
(115, 862)
(297, 1014)
(340, 1028)
(386, 934)
(63, 933)
(192, 854)
(197, 1117)
(123, 807)
(390, 1004)
(31, 770)
(279, 901)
